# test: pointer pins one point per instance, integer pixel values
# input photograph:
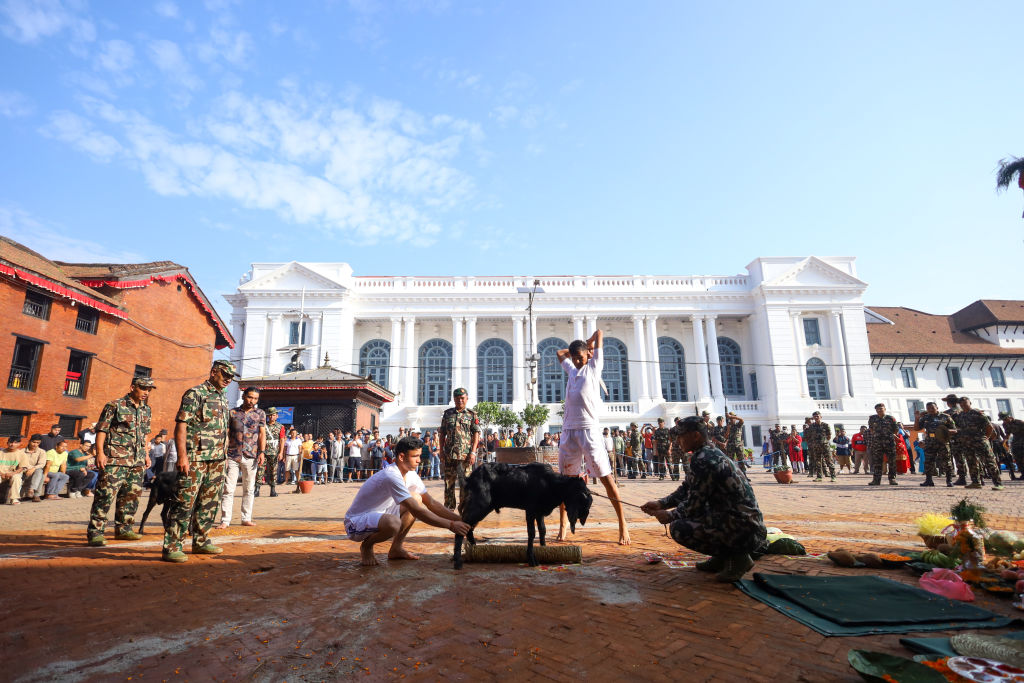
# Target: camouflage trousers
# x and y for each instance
(979, 457)
(194, 507)
(936, 458)
(267, 472)
(820, 461)
(878, 455)
(122, 483)
(956, 452)
(451, 482)
(735, 452)
(719, 540)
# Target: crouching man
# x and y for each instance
(714, 511)
(390, 502)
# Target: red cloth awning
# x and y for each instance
(61, 290)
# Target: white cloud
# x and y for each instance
(169, 59)
(80, 133)
(166, 9)
(55, 242)
(14, 104)
(505, 114)
(534, 149)
(116, 56)
(381, 172)
(28, 21)
(223, 44)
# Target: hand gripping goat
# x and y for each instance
(535, 488)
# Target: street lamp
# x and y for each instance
(531, 358)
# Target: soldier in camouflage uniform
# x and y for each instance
(937, 428)
(714, 511)
(956, 450)
(718, 433)
(519, 439)
(121, 458)
(973, 428)
(734, 441)
(680, 459)
(882, 429)
(662, 447)
(272, 454)
(1014, 429)
(201, 434)
(818, 436)
(460, 435)
(636, 450)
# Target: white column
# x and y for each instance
(577, 328)
(470, 353)
(652, 354)
(533, 335)
(270, 357)
(798, 346)
(458, 358)
(591, 325)
(410, 371)
(640, 349)
(838, 373)
(317, 354)
(343, 355)
(714, 365)
(395, 373)
(701, 367)
(518, 361)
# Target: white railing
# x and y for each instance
(830, 406)
(560, 283)
(745, 406)
(620, 407)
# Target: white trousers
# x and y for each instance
(248, 469)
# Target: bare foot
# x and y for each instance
(401, 554)
(563, 533)
(623, 536)
(367, 558)
(222, 525)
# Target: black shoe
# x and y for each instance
(256, 493)
(875, 482)
(962, 481)
(928, 482)
(893, 482)
(712, 564)
(273, 492)
(949, 482)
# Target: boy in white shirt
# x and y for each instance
(391, 501)
(292, 464)
(582, 440)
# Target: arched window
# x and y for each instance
(616, 370)
(817, 380)
(374, 358)
(551, 376)
(494, 371)
(435, 373)
(732, 366)
(673, 369)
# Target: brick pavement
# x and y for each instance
(288, 599)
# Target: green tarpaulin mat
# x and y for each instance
(864, 605)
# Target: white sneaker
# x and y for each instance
(74, 494)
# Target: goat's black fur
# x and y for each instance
(535, 488)
(163, 488)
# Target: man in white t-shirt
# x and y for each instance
(391, 501)
(582, 441)
(292, 449)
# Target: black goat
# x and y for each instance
(163, 488)
(535, 488)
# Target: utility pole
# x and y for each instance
(532, 358)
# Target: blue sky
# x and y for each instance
(428, 137)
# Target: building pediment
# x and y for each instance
(814, 273)
(292, 276)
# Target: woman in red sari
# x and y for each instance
(796, 455)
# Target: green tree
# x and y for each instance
(487, 412)
(534, 415)
(507, 418)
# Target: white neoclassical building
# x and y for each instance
(784, 339)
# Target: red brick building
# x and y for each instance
(79, 332)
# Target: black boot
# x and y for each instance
(256, 493)
(876, 480)
(949, 480)
(273, 491)
(928, 481)
(893, 482)
(962, 481)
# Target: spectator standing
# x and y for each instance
(336, 456)
(121, 459)
(34, 462)
(157, 450)
(247, 439)
(796, 456)
(766, 454)
(842, 443)
(273, 453)
(609, 445)
(859, 446)
(50, 438)
(201, 434)
(292, 454)
(11, 469)
(355, 457)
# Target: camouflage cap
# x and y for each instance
(951, 397)
(661, 420)
(271, 411)
(460, 392)
(634, 425)
(1003, 415)
(227, 367)
(705, 413)
(143, 382)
